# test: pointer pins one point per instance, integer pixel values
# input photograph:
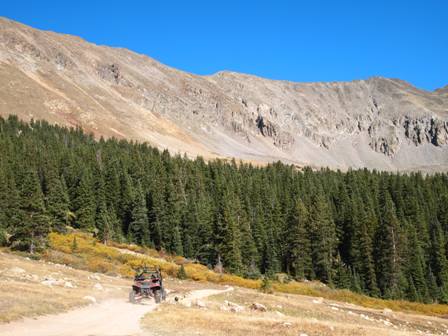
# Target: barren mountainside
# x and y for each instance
(376, 123)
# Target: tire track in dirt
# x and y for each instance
(108, 318)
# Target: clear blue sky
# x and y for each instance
(293, 40)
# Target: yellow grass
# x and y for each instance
(24, 295)
(286, 315)
(96, 257)
(344, 295)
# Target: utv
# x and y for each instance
(148, 283)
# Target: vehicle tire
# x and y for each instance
(132, 297)
(157, 296)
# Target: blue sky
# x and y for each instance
(292, 40)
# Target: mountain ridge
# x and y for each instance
(379, 123)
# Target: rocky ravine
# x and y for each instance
(376, 123)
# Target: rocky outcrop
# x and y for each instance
(426, 130)
(268, 129)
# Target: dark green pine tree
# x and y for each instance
(443, 211)
(84, 204)
(439, 263)
(104, 223)
(58, 203)
(126, 203)
(388, 259)
(355, 282)
(299, 251)
(178, 245)
(138, 231)
(343, 274)
(10, 212)
(323, 238)
(249, 253)
(259, 231)
(112, 186)
(31, 234)
(171, 215)
(204, 249)
(228, 223)
(362, 251)
(433, 288)
(416, 268)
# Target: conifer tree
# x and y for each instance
(381, 234)
(138, 231)
(439, 263)
(104, 223)
(178, 246)
(10, 212)
(362, 250)
(416, 267)
(299, 256)
(228, 223)
(84, 204)
(35, 224)
(323, 238)
(58, 203)
(387, 251)
(126, 202)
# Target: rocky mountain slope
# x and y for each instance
(376, 123)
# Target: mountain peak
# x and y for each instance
(376, 123)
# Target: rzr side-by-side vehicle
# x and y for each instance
(147, 283)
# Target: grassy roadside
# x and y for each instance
(285, 315)
(30, 288)
(81, 251)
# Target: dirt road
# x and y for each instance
(108, 318)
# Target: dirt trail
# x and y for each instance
(108, 318)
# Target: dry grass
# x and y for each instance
(20, 299)
(318, 290)
(286, 315)
(114, 260)
(122, 259)
(23, 294)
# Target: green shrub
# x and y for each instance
(266, 285)
(181, 274)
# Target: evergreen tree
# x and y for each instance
(228, 224)
(35, 224)
(362, 251)
(10, 212)
(439, 263)
(387, 251)
(84, 204)
(58, 203)
(299, 254)
(416, 268)
(323, 238)
(381, 234)
(138, 231)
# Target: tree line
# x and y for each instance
(378, 233)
